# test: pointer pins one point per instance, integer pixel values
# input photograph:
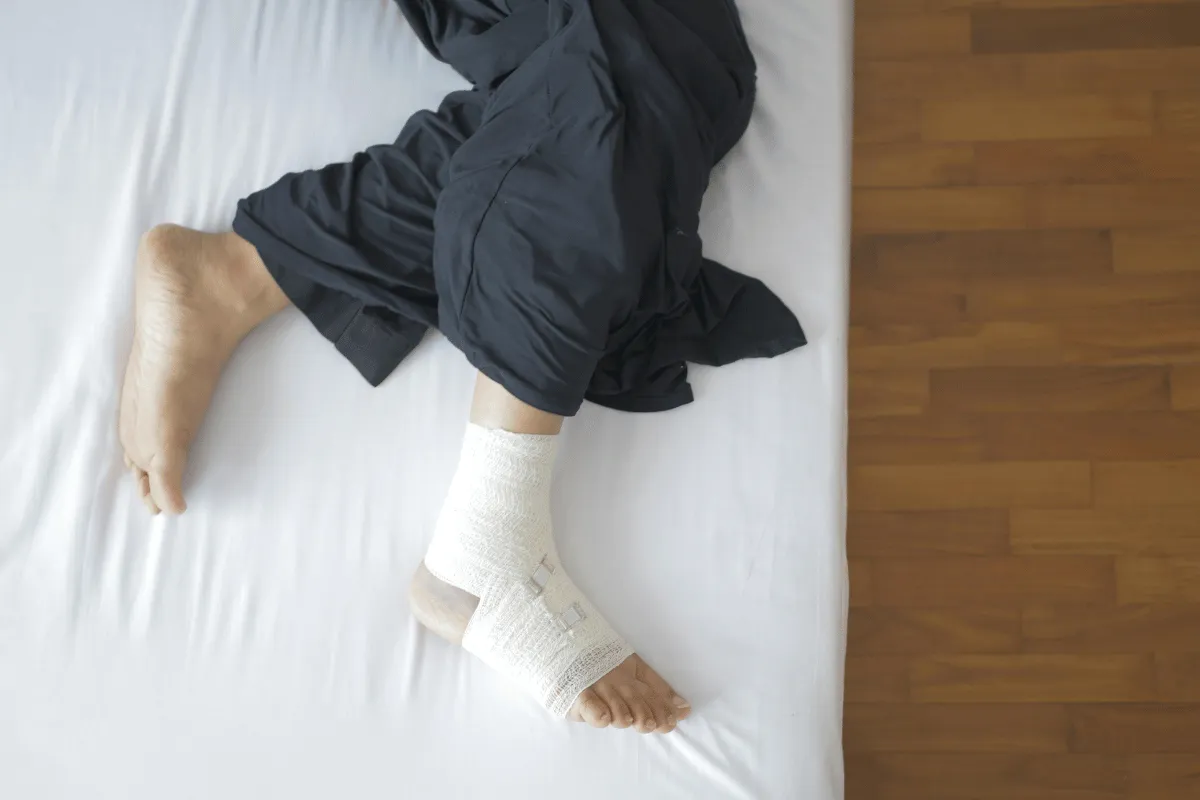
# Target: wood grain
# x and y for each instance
(1024, 483)
(900, 36)
(960, 728)
(893, 631)
(1179, 676)
(1103, 161)
(1140, 628)
(1164, 777)
(955, 208)
(1158, 580)
(927, 533)
(1148, 483)
(1133, 435)
(1046, 30)
(1150, 531)
(1023, 678)
(988, 582)
(1135, 728)
(1029, 484)
(1179, 112)
(947, 776)
(861, 593)
(913, 164)
(1151, 250)
(877, 679)
(1019, 117)
(1072, 254)
(1185, 387)
(1042, 389)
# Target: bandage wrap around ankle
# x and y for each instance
(494, 540)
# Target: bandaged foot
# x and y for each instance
(492, 579)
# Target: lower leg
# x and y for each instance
(196, 296)
(631, 694)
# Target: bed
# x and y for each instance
(261, 645)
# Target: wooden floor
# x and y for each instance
(1025, 402)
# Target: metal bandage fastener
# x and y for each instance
(568, 619)
(541, 576)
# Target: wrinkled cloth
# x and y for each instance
(546, 220)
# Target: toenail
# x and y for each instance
(680, 702)
(629, 720)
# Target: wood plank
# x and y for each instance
(1143, 579)
(893, 7)
(1114, 205)
(976, 582)
(1135, 728)
(876, 303)
(1047, 30)
(1030, 484)
(1149, 531)
(1150, 250)
(875, 534)
(1087, 161)
(975, 254)
(915, 440)
(1131, 435)
(912, 35)
(1023, 678)
(861, 593)
(990, 117)
(947, 209)
(1185, 387)
(1157, 340)
(1049, 389)
(1110, 629)
(1179, 674)
(1119, 299)
(911, 631)
(945, 776)
(913, 164)
(965, 728)
(1179, 112)
(1035, 73)
(972, 344)
(886, 120)
(1148, 483)
(885, 393)
(877, 679)
(1164, 777)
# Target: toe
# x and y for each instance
(593, 709)
(144, 491)
(622, 717)
(643, 715)
(166, 484)
(681, 707)
(664, 712)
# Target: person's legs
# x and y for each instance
(628, 694)
(196, 296)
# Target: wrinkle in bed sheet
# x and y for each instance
(260, 645)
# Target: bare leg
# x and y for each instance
(196, 296)
(632, 694)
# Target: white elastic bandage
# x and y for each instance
(494, 540)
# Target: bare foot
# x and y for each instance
(196, 296)
(630, 695)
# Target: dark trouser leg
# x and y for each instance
(352, 244)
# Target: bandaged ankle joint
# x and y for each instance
(494, 540)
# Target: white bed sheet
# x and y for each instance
(261, 646)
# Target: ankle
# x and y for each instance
(243, 284)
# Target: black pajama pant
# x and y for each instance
(546, 219)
